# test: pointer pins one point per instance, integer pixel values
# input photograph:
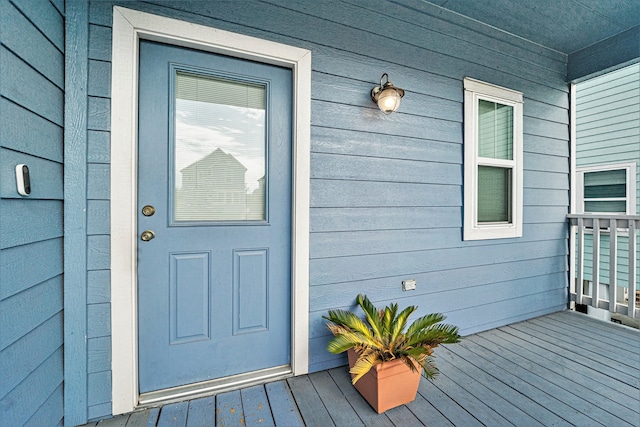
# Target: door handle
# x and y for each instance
(147, 235)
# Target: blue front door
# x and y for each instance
(214, 216)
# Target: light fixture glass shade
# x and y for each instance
(387, 96)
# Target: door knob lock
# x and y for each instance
(147, 235)
(148, 210)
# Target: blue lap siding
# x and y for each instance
(31, 227)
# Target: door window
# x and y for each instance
(219, 149)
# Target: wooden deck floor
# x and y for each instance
(558, 370)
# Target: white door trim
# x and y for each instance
(129, 27)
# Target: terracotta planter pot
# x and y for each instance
(388, 384)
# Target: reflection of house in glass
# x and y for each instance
(214, 189)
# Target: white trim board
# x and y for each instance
(129, 27)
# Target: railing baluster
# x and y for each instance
(632, 267)
(580, 268)
(595, 279)
(613, 265)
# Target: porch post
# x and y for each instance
(75, 220)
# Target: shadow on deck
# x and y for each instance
(558, 370)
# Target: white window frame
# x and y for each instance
(474, 91)
(630, 198)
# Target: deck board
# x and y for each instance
(559, 370)
(255, 406)
(174, 415)
(336, 403)
(229, 409)
(309, 403)
(202, 412)
(283, 407)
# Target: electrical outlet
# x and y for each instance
(409, 285)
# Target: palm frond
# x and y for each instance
(350, 320)
(365, 362)
(424, 322)
(371, 314)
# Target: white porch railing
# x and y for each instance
(603, 291)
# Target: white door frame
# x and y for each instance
(129, 27)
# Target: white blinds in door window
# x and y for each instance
(219, 150)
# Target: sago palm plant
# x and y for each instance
(381, 337)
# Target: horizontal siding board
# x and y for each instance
(33, 392)
(27, 310)
(99, 43)
(24, 356)
(98, 354)
(550, 180)
(21, 128)
(372, 120)
(98, 147)
(98, 248)
(545, 128)
(98, 219)
(99, 81)
(353, 243)
(101, 410)
(99, 385)
(347, 269)
(43, 216)
(45, 175)
(98, 320)
(24, 40)
(98, 181)
(347, 142)
(338, 193)
(547, 146)
(40, 95)
(99, 114)
(98, 286)
(543, 111)
(545, 197)
(46, 18)
(544, 214)
(386, 218)
(546, 163)
(25, 266)
(357, 168)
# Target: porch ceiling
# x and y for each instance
(595, 35)
(564, 25)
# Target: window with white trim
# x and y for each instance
(492, 161)
(607, 189)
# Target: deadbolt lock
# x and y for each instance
(147, 235)
(148, 210)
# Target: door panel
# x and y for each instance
(214, 160)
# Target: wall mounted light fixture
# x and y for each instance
(387, 96)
